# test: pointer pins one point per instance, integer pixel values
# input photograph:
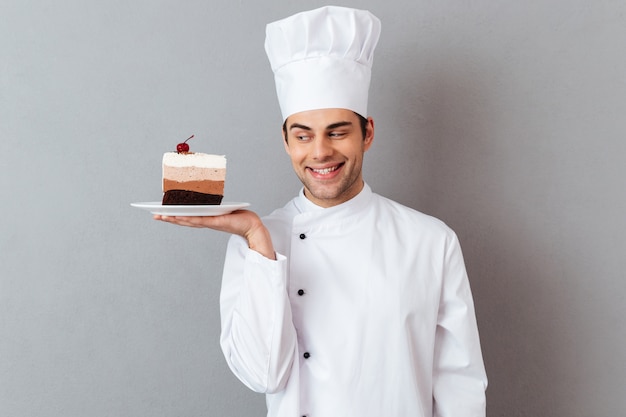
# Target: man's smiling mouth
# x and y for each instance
(327, 170)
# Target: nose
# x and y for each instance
(322, 149)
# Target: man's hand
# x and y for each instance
(244, 223)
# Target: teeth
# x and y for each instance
(325, 170)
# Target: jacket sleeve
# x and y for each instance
(459, 378)
(258, 338)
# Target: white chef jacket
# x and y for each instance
(367, 312)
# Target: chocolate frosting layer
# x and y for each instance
(191, 198)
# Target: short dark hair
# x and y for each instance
(362, 122)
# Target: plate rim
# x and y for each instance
(158, 204)
(156, 207)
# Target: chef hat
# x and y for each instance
(322, 59)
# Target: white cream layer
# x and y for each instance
(196, 159)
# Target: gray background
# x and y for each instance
(506, 119)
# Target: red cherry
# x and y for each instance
(183, 147)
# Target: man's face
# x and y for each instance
(326, 148)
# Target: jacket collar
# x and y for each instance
(355, 204)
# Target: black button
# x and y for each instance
(306, 355)
(300, 292)
(302, 236)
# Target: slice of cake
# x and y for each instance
(193, 178)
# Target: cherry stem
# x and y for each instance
(188, 138)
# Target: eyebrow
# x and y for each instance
(338, 125)
(329, 127)
(298, 126)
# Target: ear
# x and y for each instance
(369, 134)
(285, 141)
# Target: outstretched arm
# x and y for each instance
(258, 337)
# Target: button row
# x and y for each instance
(301, 292)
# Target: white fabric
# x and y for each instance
(386, 315)
(323, 59)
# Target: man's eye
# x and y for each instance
(302, 137)
(336, 134)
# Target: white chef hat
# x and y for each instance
(323, 59)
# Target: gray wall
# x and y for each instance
(503, 118)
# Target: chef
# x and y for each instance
(343, 302)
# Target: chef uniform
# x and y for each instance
(367, 310)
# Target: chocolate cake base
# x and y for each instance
(190, 198)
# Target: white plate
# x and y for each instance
(155, 207)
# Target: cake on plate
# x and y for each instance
(193, 178)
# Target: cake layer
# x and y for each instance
(193, 173)
(190, 198)
(207, 187)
